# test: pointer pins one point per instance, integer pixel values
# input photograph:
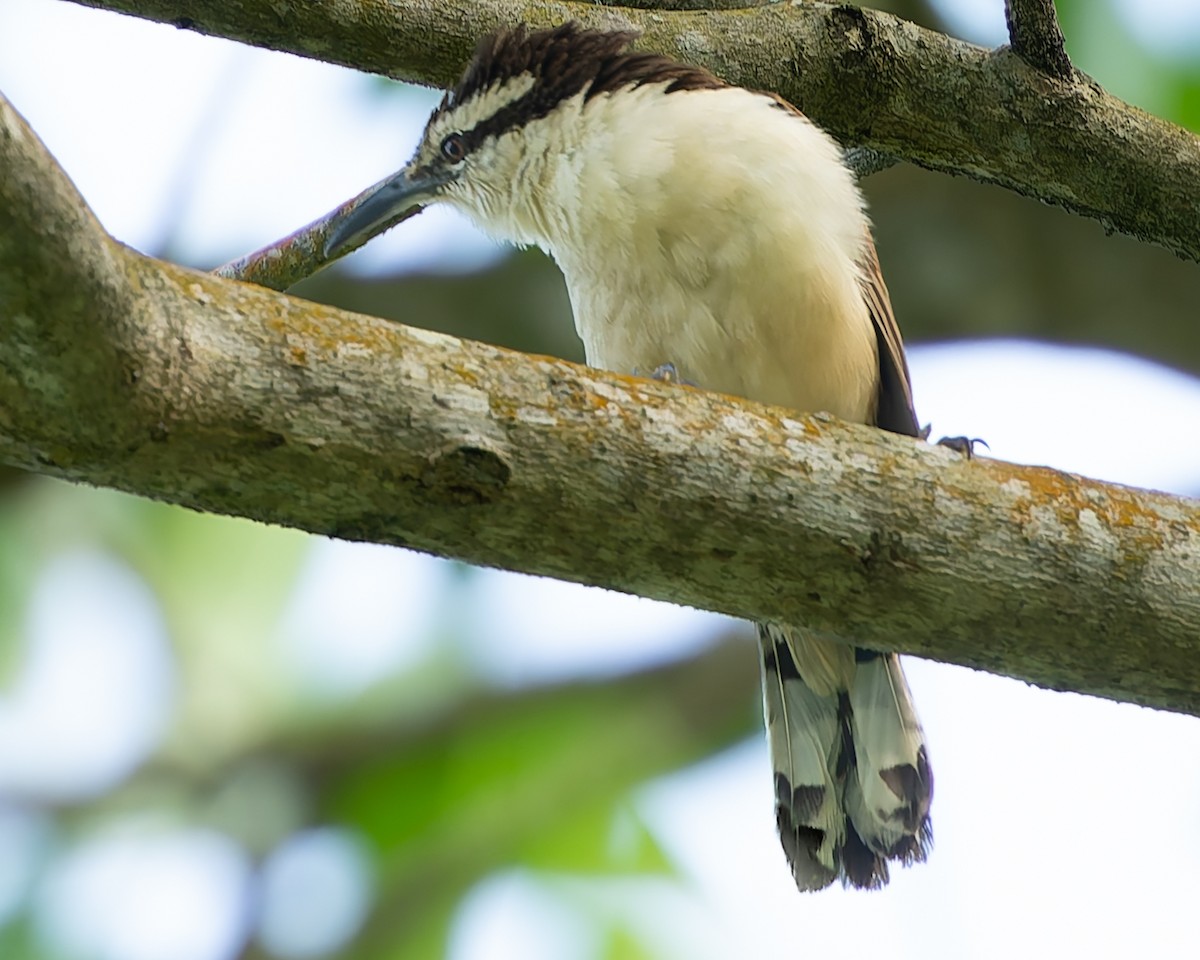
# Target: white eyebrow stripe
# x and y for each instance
(480, 107)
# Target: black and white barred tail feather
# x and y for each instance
(852, 777)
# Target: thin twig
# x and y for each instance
(865, 161)
(1037, 38)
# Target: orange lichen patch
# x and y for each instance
(464, 372)
(1049, 488)
(810, 427)
(1120, 509)
(323, 329)
(504, 408)
(1128, 515)
(199, 294)
(887, 465)
(776, 418)
(326, 331)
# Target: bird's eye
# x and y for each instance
(454, 148)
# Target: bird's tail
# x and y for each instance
(852, 778)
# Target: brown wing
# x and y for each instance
(894, 410)
(894, 407)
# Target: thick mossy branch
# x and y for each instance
(123, 371)
(870, 78)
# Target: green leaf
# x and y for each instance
(604, 838)
(537, 778)
(623, 944)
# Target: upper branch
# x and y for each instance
(1036, 36)
(869, 78)
(123, 371)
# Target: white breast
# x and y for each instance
(714, 230)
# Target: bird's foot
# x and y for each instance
(963, 445)
(667, 373)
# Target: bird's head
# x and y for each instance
(521, 105)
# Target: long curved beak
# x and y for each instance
(375, 210)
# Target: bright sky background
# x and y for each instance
(1065, 825)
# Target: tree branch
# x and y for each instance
(123, 371)
(871, 79)
(1037, 38)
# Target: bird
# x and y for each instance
(712, 234)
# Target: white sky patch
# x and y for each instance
(314, 893)
(271, 170)
(532, 629)
(1103, 414)
(1164, 26)
(1172, 26)
(979, 21)
(147, 895)
(113, 98)
(360, 611)
(26, 836)
(511, 916)
(224, 147)
(92, 696)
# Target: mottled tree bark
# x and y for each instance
(123, 371)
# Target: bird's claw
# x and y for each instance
(962, 445)
(667, 373)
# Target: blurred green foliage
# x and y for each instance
(1101, 44)
(444, 778)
